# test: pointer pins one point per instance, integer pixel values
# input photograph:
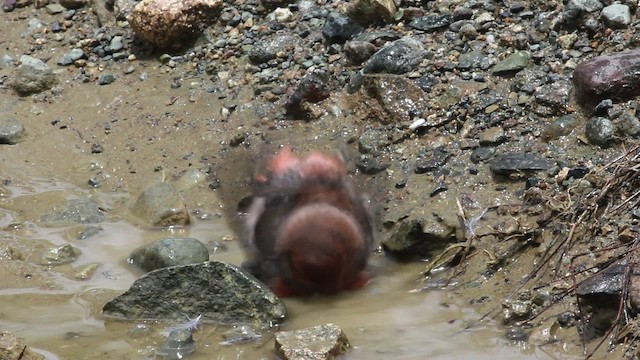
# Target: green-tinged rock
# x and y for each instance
(161, 205)
(219, 292)
(513, 63)
(170, 252)
(321, 342)
(73, 211)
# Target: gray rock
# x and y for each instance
(587, 6)
(616, 16)
(169, 24)
(73, 4)
(32, 76)
(322, 342)
(14, 348)
(399, 57)
(418, 238)
(513, 63)
(161, 205)
(432, 161)
(69, 57)
(74, 211)
(607, 281)
(11, 131)
(53, 9)
(63, 254)
(555, 96)
(628, 124)
(106, 78)
(613, 76)
(599, 130)
(6, 61)
(116, 44)
(493, 136)
(219, 292)
(470, 60)
(267, 49)
(518, 162)
(122, 8)
(432, 22)
(169, 252)
(372, 140)
(339, 28)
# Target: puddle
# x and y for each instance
(382, 321)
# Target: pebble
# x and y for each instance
(616, 16)
(398, 57)
(106, 78)
(169, 252)
(32, 76)
(599, 130)
(71, 56)
(11, 131)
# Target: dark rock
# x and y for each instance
(432, 22)
(11, 131)
(614, 76)
(169, 252)
(368, 12)
(33, 76)
(607, 281)
(470, 60)
(73, 4)
(319, 342)
(339, 28)
(518, 162)
(371, 166)
(432, 161)
(482, 154)
(313, 87)
(266, 49)
(418, 238)
(219, 292)
(599, 130)
(555, 96)
(74, 211)
(377, 38)
(399, 57)
(603, 107)
(8, 5)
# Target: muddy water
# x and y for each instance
(63, 321)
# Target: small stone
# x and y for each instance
(616, 16)
(432, 22)
(53, 9)
(628, 124)
(513, 63)
(116, 44)
(323, 342)
(178, 344)
(85, 272)
(11, 131)
(106, 78)
(161, 205)
(398, 57)
(339, 28)
(367, 12)
(599, 130)
(73, 4)
(519, 162)
(371, 166)
(71, 56)
(74, 211)
(169, 252)
(283, 15)
(33, 76)
(59, 255)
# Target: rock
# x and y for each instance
(241, 334)
(628, 124)
(178, 344)
(555, 96)
(11, 131)
(116, 44)
(398, 57)
(518, 162)
(73, 4)
(358, 51)
(493, 136)
(482, 154)
(616, 16)
(367, 12)
(371, 166)
(599, 130)
(562, 126)
(432, 22)
(106, 78)
(398, 96)
(85, 272)
(614, 76)
(586, 6)
(434, 160)
(513, 63)
(266, 49)
(60, 255)
(417, 238)
(282, 15)
(13, 348)
(322, 342)
(313, 87)
(470, 60)
(33, 76)
(169, 252)
(74, 211)
(161, 205)
(168, 24)
(606, 281)
(53, 9)
(123, 8)
(71, 56)
(219, 292)
(372, 140)
(339, 28)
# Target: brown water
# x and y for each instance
(383, 321)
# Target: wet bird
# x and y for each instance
(308, 231)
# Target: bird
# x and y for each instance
(308, 231)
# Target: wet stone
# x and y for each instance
(14, 348)
(599, 130)
(64, 254)
(432, 22)
(400, 98)
(432, 161)
(178, 344)
(398, 57)
(607, 281)
(169, 252)
(161, 205)
(513, 63)
(323, 342)
(32, 76)
(85, 272)
(562, 126)
(616, 16)
(417, 238)
(339, 28)
(74, 211)
(614, 76)
(555, 95)
(518, 162)
(219, 292)
(11, 131)
(241, 334)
